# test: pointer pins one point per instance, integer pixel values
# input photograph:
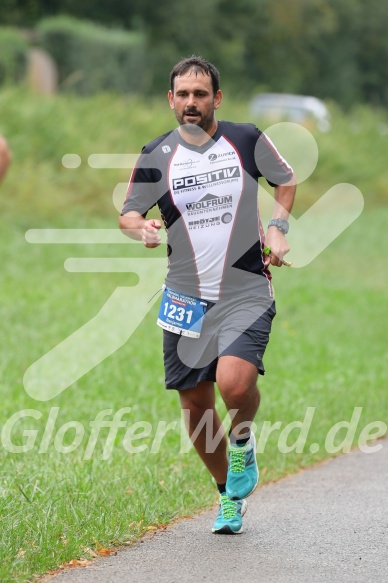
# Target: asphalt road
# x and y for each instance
(326, 524)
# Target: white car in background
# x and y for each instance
(308, 111)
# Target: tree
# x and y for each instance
(330, 48)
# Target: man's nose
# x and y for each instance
(191, 100)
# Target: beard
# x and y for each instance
(196, 126)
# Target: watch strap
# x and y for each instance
(281, 224)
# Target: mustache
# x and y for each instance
(192, 111)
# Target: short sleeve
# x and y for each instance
(142, 192)
(270, 162)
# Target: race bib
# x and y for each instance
(181, 314)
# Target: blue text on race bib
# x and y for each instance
(181, 314)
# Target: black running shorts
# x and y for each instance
(230, 328)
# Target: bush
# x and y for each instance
(91, 58)
(13, 55)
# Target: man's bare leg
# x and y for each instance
(236, 379)
(198, 402)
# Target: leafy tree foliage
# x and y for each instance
(329, 48)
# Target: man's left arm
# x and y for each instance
(275, 238)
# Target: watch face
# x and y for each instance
(284, 226)
(281, 224)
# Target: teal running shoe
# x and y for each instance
(230, 513)
(243, 473)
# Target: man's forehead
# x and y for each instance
(194, 77)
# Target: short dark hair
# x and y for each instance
(199, 65)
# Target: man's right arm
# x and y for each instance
(135, 226)
(5, 157)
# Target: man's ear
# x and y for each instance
(171, 99)
(217, 99)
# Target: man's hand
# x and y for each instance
(135, 226)
(279, 246)
(149, 233)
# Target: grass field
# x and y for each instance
(327, 350)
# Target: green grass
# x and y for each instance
(327, 348)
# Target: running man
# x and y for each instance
(217, 305)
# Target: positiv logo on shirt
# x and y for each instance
(207, 178)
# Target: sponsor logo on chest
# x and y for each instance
(223, 174)
(209, 202)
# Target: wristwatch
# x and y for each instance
(281, 224)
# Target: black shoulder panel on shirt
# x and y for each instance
(244, 137)
(164, 139)
(260, 155)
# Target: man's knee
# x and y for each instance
(238, 395)
(237, 384)
(193, 407)
(198, 400)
